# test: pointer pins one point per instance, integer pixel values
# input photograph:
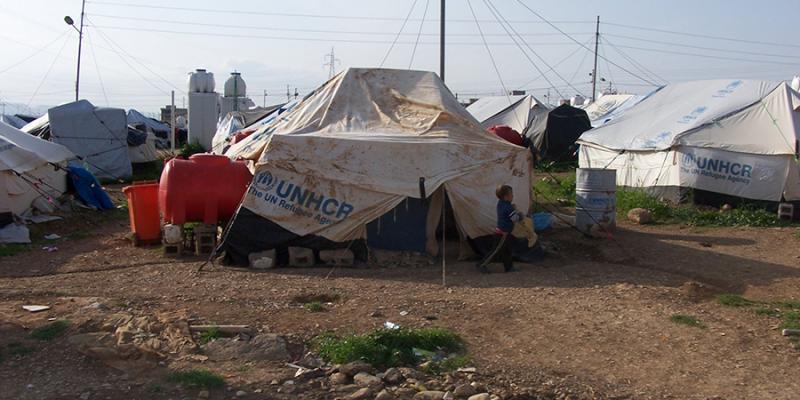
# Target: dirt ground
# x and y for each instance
(593, 316)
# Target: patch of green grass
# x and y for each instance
(792, 304)
(12, 249)
(734, 300)
(387, 347)
(210, 335)
(791, 320)
(155, 388)
(314, 306)
(447, 365)
(797, 234)
(556, 166)
(197, 378)
(769, 312)
(19, 349)
(550, 189)
(628, 199)
(50, 331)
(687, 320)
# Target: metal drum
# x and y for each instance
(595, 199)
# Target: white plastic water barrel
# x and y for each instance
(595, 199)
(201, 81)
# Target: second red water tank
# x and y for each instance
(205, 188)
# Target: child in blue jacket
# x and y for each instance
(507, 215)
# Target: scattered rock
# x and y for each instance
(361, 394)
(366, 379)
(241, 393)
(265, 346)
(464, 391)
(481, 396)
(352, 368)
(85, 396)
(726, 207)
(393, 376)
(405, 392)
(203, 394)
(385, 395)
(640, 216)
(448, 395)
(411, 373)
(429, 395)
(338, 378)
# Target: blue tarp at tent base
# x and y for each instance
(89, 189)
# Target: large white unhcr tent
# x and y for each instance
(610, 106)
(735, 137)
(28, 176)
(368, 142)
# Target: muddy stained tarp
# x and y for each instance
(367, 140)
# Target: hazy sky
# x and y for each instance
(140, 50)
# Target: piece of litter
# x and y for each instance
(51, 319)
(391, 325)
(50, 249)
(35, 308)
(468, 370)
(52, 236)
(403, 313)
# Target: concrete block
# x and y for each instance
(337, 258)
(301, 257)
(262, 259)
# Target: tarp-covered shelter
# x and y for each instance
(734, 137)
(373, 145)
(97, 135)
(236, 121)
(146, 124)
(610, 106)
(13, 120)
(520, 113)
(555, 139)
(28, 176)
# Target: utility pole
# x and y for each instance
(594, 70)
(288, 94)
(441, 43)
(330, 61)
(265, 98)
(71, 23)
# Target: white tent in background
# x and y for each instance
(521, 113)
(97, 135)
(734, 137)
(13, 120)
(26, 175)
(610, 106)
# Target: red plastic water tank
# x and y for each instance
(205, 188)
(505, 132)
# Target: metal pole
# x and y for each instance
(265, 98)
(594, 70)
(441, 43)
(172, 122)
(80, 45)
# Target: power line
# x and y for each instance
(97, 68)
(50, 68)
(636, 64)
(559, 63)
(302, 30)
(576, 41)
(113, 43)
(278, 14)
(696, 35)
(491, 57)
(35, 53)
(405, 21)
(419, 32)
(702, 48)
(498, 14)
(327, 40)
(664, 51)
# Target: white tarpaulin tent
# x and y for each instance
(610, 106)
(97, 135)
(520, 113)
(369, 139)
(734, 137)
(26, 174)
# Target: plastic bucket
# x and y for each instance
(143, 212)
